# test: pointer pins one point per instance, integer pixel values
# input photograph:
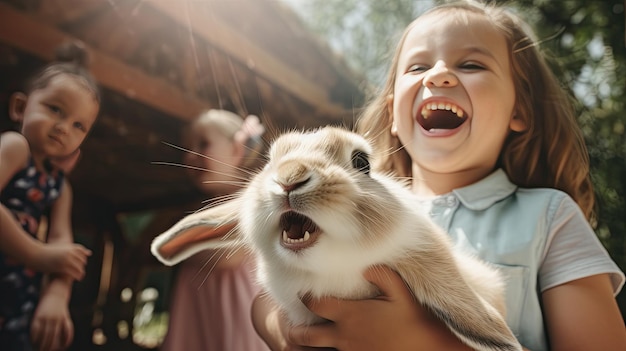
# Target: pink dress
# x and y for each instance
(210, 309)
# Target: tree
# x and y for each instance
(586, 42)
(364, 32)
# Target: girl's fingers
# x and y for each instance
(85, 252)
(35, 332)
(319, 335)
(48, 337)
(79, 274)
(327, 307)
(390, 284)
(68, 333)
(388, 281)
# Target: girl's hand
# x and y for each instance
(52, 328)
(272, 326)
(63, 258)
(391, 321)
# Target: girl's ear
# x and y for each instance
(517, 124)
(390, 106)
(17, 106)
(394, 128)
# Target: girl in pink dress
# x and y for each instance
(213, 290)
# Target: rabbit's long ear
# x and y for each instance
(473, 320)
(212, 228)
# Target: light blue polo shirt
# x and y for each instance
(539, 238)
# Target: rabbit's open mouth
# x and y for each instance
(298, 231)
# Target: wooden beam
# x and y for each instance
(225, 37)
(27, 34)
(58, 13)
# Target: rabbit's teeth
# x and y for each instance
(286, 238)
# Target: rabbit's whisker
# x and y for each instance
(182, 165)
(248, 172)
(212, 256)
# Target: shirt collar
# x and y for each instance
(484, 193)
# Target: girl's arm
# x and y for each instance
(52, 326)
(68, 258)
(14, 241)
(270, 324)
(60, 234)
(54, 257)
(579, 306)
(583, 315)
(14, 153)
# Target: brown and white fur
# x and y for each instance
(320, 183)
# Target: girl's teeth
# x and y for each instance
(441, 106)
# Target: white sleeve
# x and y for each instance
(573, 250)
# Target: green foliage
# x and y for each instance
(586, 44)
(365, 32)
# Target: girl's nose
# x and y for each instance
(61, 127)
(440, 76)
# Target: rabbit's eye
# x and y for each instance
(361, 162)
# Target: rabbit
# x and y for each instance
(316, 216)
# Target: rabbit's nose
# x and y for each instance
(292, 186)
(292, 175)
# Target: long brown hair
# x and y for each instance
(550, 153)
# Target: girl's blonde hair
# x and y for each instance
(550, 153)
(228, 123)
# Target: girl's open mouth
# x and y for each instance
(440, 115)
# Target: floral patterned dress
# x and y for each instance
(28, 195)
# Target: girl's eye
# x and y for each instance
(472, 66)
(55, 109)
(79, 126)
(417, 68)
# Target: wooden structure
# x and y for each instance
(160, 63)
